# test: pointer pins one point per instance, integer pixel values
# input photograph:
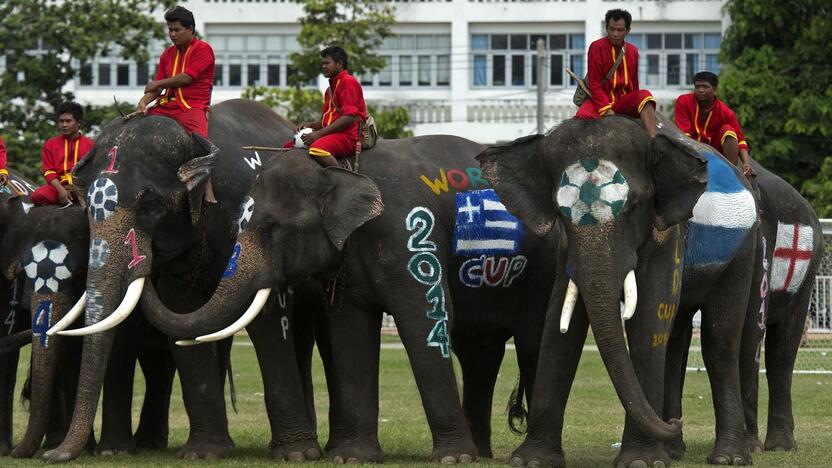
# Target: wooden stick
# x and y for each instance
(580, 82)
(265, 148)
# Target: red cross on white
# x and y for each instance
(792, 254)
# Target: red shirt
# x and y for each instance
(3, 157)
(349, 97)
(60, 155)
(198, 62)
(600, 58)
(706, 128)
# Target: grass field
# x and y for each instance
(593, 421)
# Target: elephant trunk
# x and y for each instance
(45, 351)
(242, 277)
(601, 294)
(15, 341)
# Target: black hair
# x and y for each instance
(181, 14)
(337, 54)
(69, 107)
(707, 76)
(618, 14)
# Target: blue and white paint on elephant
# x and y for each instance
(425, 268)
(40, 322)
(102, 198)
(491, 271)
(793, 251)
(721, 218)
(48, 266)
(484, 225)
(231, 268)
(94, 311)
(246, 212)
(592, 191)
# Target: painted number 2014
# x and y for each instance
(426, 269)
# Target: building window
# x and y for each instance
(142, 74)
(86, 74)
(385, 76)
(406, 70)
(253, 70)
(235, 72)
(273, 75)
(511, 67)
(123, 74)
(253, 59)
(420, 60)
(672, 59)
(443, 70)
(424, 70)
(103, 74)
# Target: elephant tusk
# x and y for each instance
(187, 342)
(568, 306)
(630, 296)
(131, 298)
(256, 306)
(70, 316)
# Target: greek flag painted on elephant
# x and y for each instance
(484, 225)
(721, 218)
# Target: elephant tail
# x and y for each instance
(517, 413)
(26, 391)
(232, 390)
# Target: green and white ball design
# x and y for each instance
(592, 191)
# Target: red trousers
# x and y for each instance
(725, 131)
(629, 104)
(45, 195)
(192, 119)
(339, 145)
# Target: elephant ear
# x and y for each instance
(352, 200)
(680, 174)
(518, 173)
(196, 171)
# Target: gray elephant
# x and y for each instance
(624, 202)
(144, 182)
(49, 245)
(451, 264)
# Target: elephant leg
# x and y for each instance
(117, 402)
(58, 416)
(556, 368)
(678, 348)
(310, 325)
(202, 392)
(480, 358)
(355, 335)
(158, 369)
(721, 334)
(752, 337)
(8, 378)
(294, 435)
(782, 344)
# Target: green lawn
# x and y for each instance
(593, 421)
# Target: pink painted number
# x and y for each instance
(112, 155)
(131, 240)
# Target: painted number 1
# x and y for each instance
(131, 241)
(112, 155)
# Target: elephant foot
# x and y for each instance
(537, 455)
(780, 441)
(25, 449)
(147, 441)
(5, 449)
(357, 451)
(207, 448)
(650, 455)
(483, 445)
(737, 455)
(59, 455)
(464, 452)
(752, 442)
(109, 447)
(297, 451)
(676, 448)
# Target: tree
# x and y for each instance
(41, 41)
(359, 27)
(779, 82)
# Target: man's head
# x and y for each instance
(333, 60)
(704, 85)
(618, 23)
(70, 114)
(180, 25)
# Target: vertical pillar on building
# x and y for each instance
(460, 75)
(594, 23)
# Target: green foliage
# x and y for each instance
(41, 39)
(391, 123)
(359, 27)
(780, 85)
(296, 104)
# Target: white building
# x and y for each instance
(464, 67)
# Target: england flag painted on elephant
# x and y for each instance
(722, 217)
(792, 255)
(484, 225)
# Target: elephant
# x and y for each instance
(144, 183)
(440, 254)
(50, 244)
(669, 215)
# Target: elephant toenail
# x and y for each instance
(448, 460)
(106, 453)
(465, 458)
(313, 454)
(352, 461)
(515, 462)
(534, 464)
(720, 460)
(210, 456)
(295, 457)
(659, 464)
(638, 464)
(779, 449)
(738, 461)
(338, 460)
(190, 456)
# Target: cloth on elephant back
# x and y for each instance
(3, 169)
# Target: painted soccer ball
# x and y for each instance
(47, 265)
(592, 191)
(102, 198)
(298, 142)
(247, 212)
